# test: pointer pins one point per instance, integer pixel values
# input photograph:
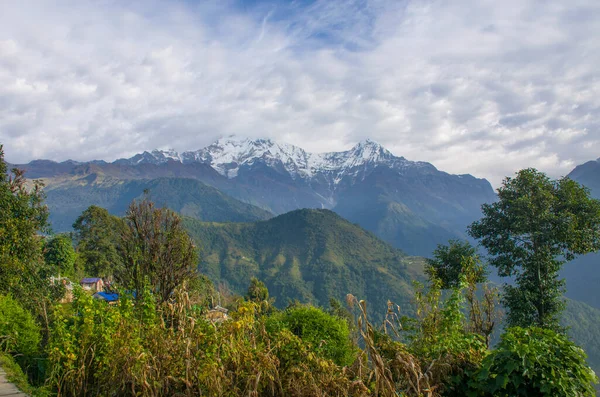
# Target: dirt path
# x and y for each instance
(7, 388)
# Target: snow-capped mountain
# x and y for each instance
(227, 156)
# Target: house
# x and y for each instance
(94, 284)
(110, 297)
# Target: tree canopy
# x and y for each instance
(154, 248)
(23, 218)
(537, 225)
(450, 261)
(60, 255)
(96, 235)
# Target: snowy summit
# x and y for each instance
(228, 155)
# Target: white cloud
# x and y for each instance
(481, 87)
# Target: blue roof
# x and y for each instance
(90, 280)
(107, 296)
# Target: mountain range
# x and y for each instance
(410, 204)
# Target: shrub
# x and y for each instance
(534, 362)
(19, 333)
(328, 335)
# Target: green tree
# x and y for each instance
(23, 217)
(534, 362)
(257, 291)
(23, 222)
(450, 261)
(60, 255)
(96, 236)
(154, 247)
(537, 225)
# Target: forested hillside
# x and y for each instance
(190, 197)
(309, 256)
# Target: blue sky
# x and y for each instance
(473, 86)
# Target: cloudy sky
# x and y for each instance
(473, 86)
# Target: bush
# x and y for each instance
(19, 333)
(328, 335)
(534, 362)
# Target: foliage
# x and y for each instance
(329, 335)
(60, 255)
(449, 262)
(257, 291)
(96, 234)
(19, 332)
(23, 221)
(201, 291)
(23, 216)
(144, 349)
(534, 362)
(15, 375)
(337, 309)
(536, 225)
(154, 246)
(97, 349)
(441, 336)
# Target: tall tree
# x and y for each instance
(536, 226)
(154, 247)
(23, 217)
(60, 255)
(23, 221)
(96, 235)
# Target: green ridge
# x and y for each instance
(308, 255)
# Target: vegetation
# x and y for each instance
(23, 221)
(458, 264)
(310, 256)
(530, 232)
(15, 375)
(60, 255)
(96, 234)
(23, 216)
(154, 248)
(450, 261)
(160, 338)
(534, 361)
(326, 334)
(18, 330)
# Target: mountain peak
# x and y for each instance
(370, 150)
(367, 142)
(229, 154)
